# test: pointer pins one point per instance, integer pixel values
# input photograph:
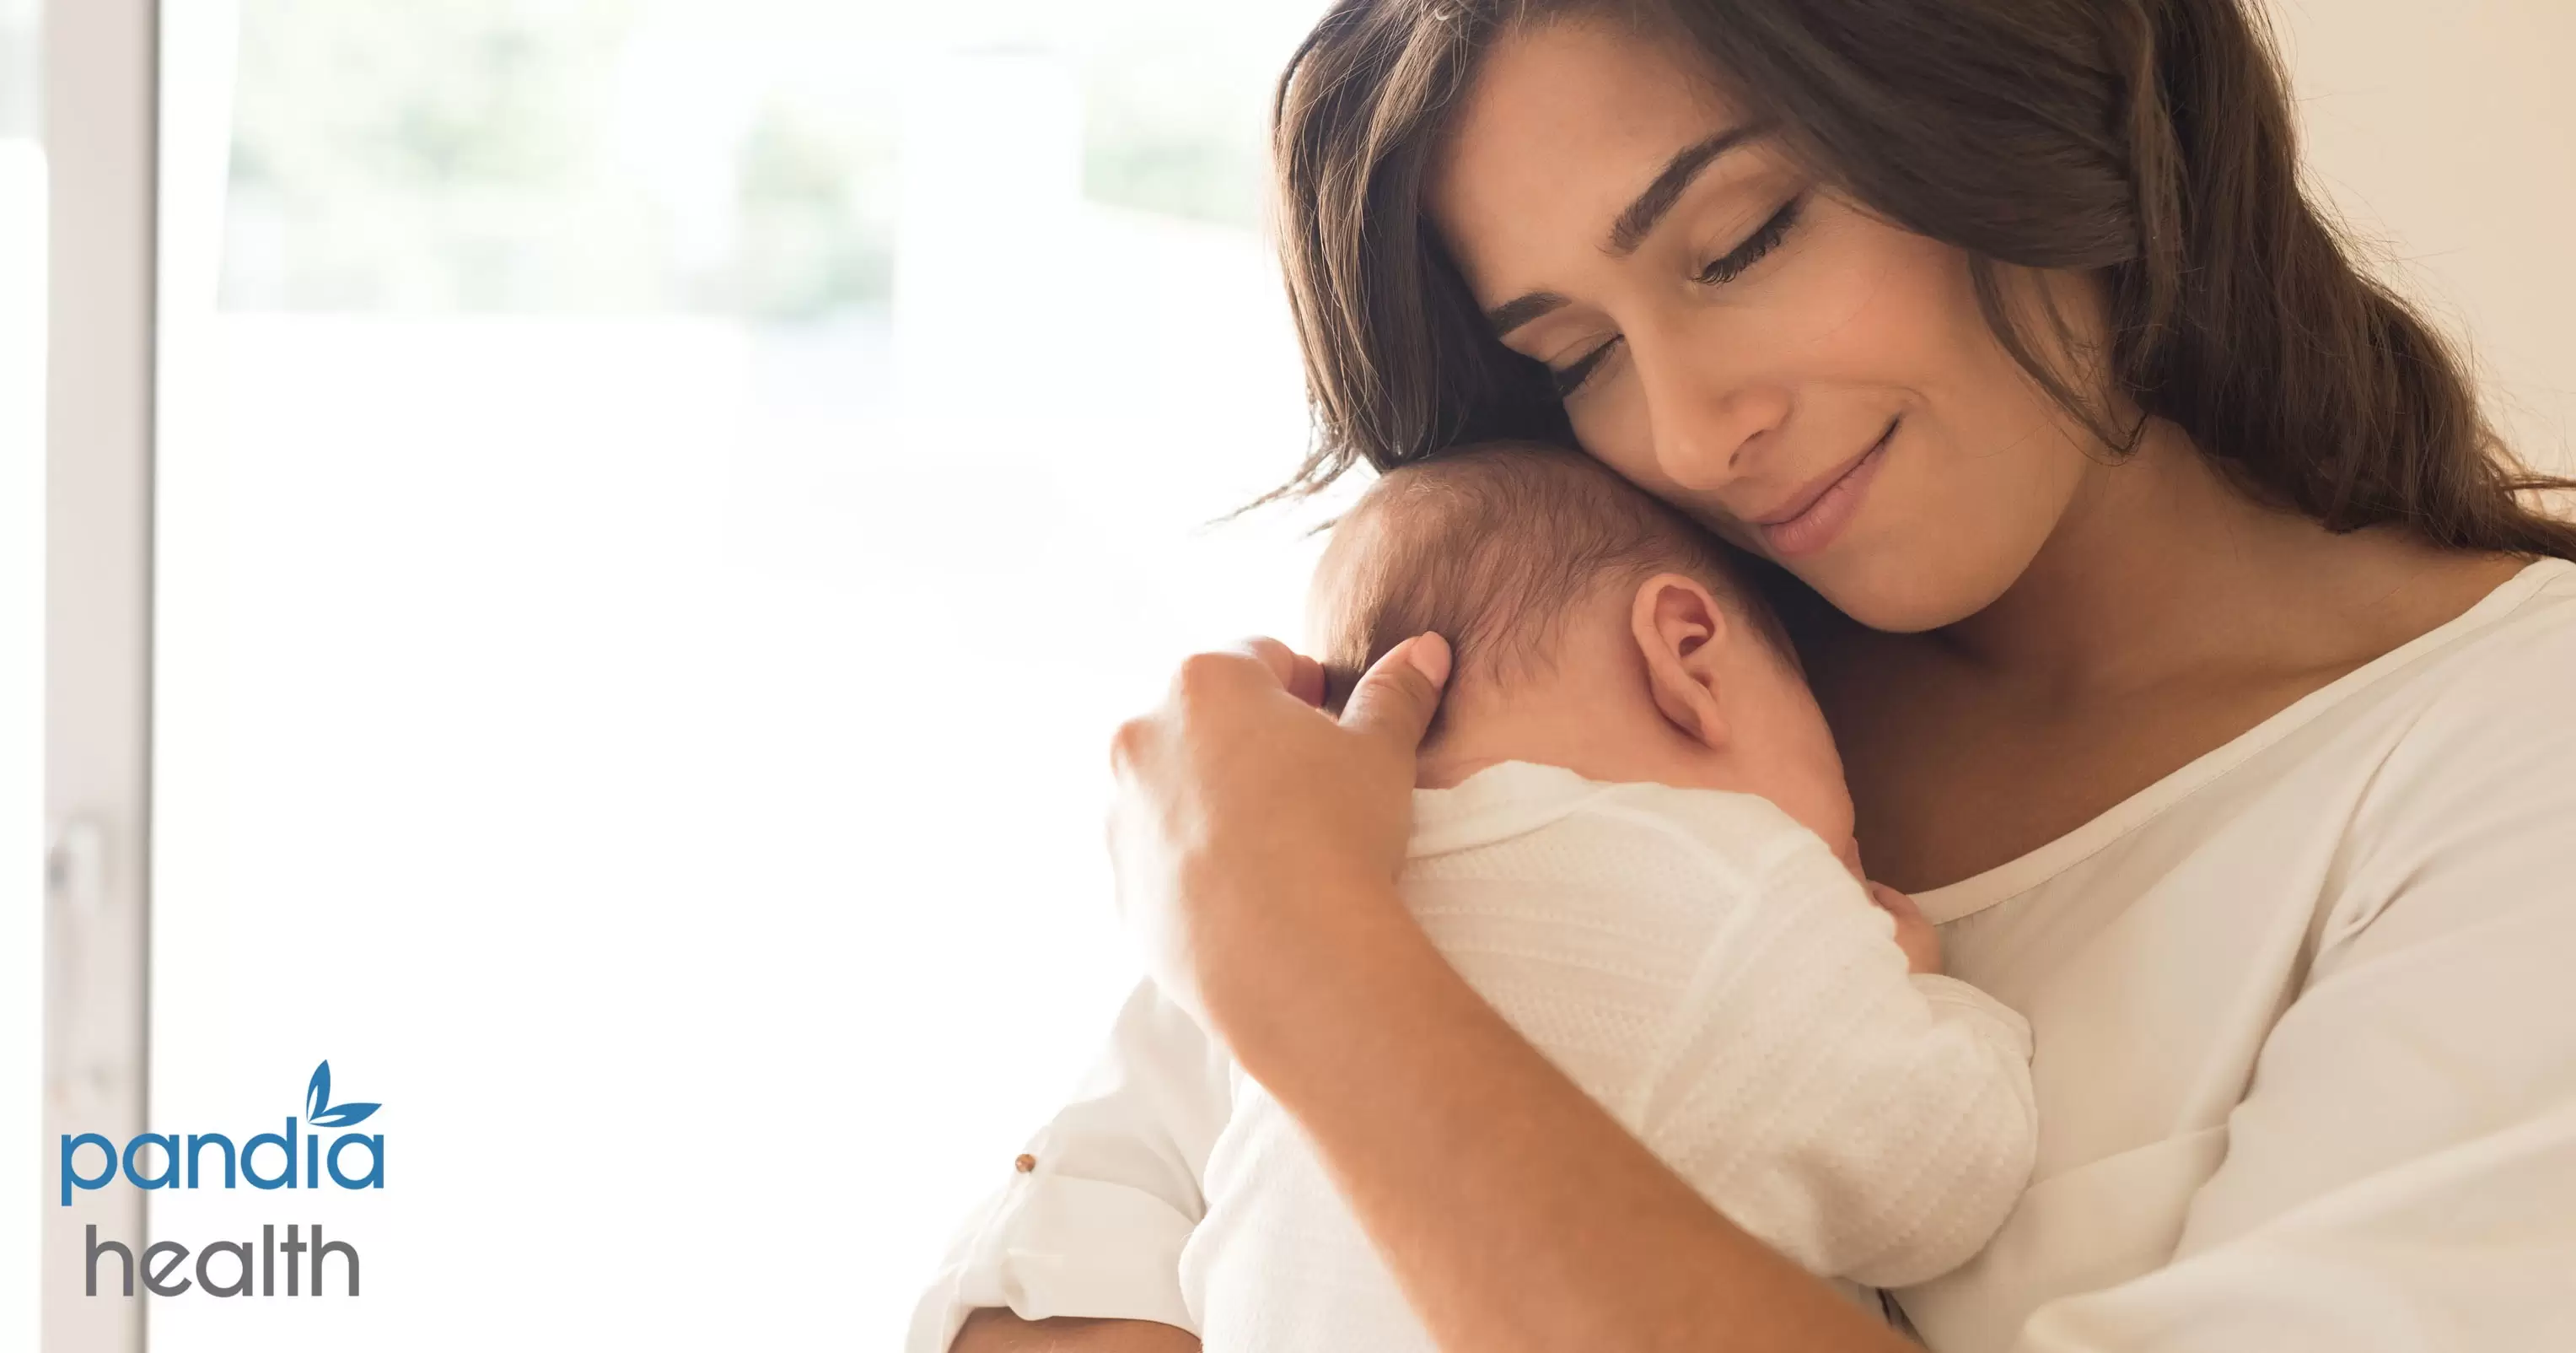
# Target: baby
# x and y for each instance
(1632, 837)
(1634, 840)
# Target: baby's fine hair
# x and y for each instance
(1492, 546)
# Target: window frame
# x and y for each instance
(101, 70)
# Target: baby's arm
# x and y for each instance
(1914, 935)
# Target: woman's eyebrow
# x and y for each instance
(1639, 220)
(1635, 223)
(1512, 314)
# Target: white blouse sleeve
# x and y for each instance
(1094, 1223)
(2401, 1173)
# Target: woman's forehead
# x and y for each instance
(1563, 125)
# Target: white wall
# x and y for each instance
(2447, 132)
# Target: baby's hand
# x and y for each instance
(1914, 935)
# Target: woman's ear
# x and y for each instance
(1682, 634)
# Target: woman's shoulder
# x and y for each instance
(2478, 766)
(2510, 657)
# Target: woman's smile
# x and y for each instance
(1810, 519)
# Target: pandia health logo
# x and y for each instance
(270, 1160)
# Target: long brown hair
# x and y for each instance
(2148, 141)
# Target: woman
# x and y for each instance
(2196, 656)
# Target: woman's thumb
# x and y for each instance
(1396, 697)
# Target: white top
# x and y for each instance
(1703, 967)
(2305, 1023)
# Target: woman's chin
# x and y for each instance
(1893, 592)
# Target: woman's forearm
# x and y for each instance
(1516, 1213)
(996, 1331)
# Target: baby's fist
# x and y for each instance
(1914, 935)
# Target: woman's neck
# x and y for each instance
(2161, 567)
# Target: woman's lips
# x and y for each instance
(1812, 526)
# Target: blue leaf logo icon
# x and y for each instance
(321, 1112)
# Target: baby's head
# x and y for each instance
(1593, 627)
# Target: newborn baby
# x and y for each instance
(1632, 837)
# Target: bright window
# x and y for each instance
(665, 504)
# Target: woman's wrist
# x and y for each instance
(1299, 959)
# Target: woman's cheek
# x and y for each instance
(1960, 523)
(1612, 425)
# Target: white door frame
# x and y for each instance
(100, 75)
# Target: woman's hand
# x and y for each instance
(1245, 818)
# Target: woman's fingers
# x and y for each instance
(1278, 657)
(1396, 698)
(1308, 683)
(1238, 815)
(1299, 675)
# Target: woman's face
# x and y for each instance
(1815, 384)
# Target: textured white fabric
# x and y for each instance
(1696, 961)
(2305, 1047)
(1703, 967)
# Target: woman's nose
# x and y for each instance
(1705, 425)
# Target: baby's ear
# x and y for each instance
(1682, 634)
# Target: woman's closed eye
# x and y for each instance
(1765, 238)
(1569, 379)
(1720, 271)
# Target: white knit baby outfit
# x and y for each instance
(1706, 969)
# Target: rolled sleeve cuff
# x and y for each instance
(1053, 1245)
